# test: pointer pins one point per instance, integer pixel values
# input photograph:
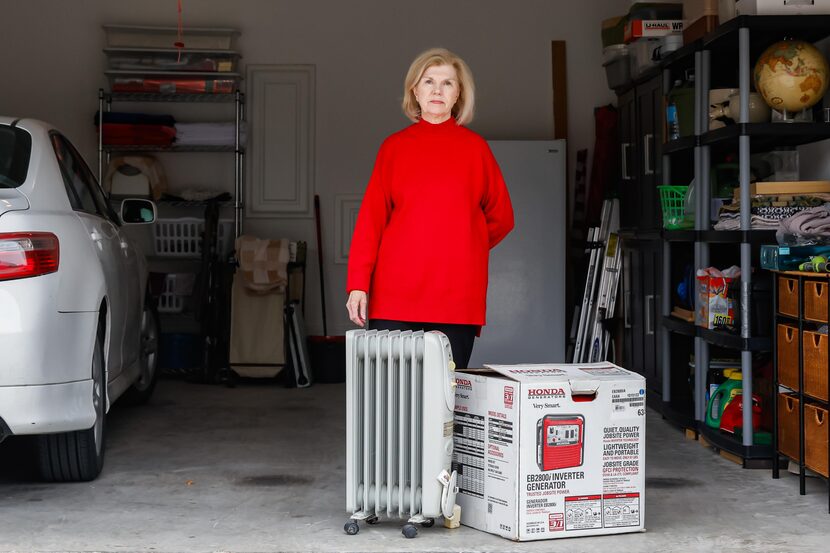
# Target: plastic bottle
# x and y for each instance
(672, 121)
(722, 396)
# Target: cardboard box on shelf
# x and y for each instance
(782, 188)
(640, 28)
(695, 29)
(695, 9)
(717, 304)
(782, 7)
(550, 451)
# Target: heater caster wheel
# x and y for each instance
(372, 520)
(409, 531)
(351, 528)
(428, 523)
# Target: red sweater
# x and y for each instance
(435, 204)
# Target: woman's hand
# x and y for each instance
(356, 306)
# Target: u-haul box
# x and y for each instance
(550, 451)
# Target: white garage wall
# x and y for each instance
(53, 66)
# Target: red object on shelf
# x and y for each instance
(174, 86)
(124, 134)
(733, 414)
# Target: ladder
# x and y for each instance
(599, 300)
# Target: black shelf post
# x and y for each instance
(775, 455)
(802, 486)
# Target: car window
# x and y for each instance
(80, 180)
(15, 150)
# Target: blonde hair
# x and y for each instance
(463, 108)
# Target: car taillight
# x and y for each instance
(28, 254)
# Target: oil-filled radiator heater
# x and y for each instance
(399, 425)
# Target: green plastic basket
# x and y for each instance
(672, 201)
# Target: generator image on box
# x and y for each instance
(559, 441)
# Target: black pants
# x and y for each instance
(461, 337)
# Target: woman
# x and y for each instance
(435, 204)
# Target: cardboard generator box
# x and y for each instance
(550, 451)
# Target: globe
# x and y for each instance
(791, 75)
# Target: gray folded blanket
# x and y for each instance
(813, 221)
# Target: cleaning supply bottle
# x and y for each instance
(680, 108)
(671, 116)
(722, 396)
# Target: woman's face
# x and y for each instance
(437, 92)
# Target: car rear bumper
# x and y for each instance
(46, 409)
(40, 345)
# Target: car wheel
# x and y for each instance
(140, 392)
(79, 456)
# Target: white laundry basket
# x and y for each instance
(182, 237)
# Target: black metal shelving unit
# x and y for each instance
(719, 338)
(106, 99)
(767, 136)
(679, 236)
(723, 59)
(682, 144)
(754, 456)
(679, 326)
(754, 237)
(173, 148)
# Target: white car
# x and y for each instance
(77, 328)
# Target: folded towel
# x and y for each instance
(208, 134)
(757, 222)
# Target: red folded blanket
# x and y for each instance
(144, 135)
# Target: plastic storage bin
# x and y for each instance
(641, 55)
(177, 286)
(182, 237)
(180, 351)
(617, 65)
(656, 10)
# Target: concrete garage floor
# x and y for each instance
(261, 468)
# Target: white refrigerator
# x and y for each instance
(526, 293)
